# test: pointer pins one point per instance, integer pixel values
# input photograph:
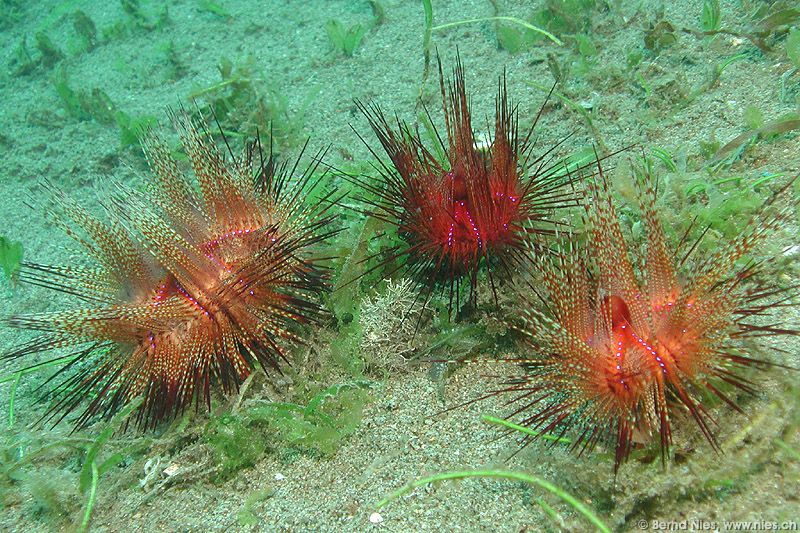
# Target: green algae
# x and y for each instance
(81, 104)
(11, 254)
(247, 516)
(50, 53)
(85, 30)
(711, 15)
(503, 474)
(143, 17)
(240, 439)
(214, 8)
(344, 40)
(528, 432)
(245, 105)
(56, 499)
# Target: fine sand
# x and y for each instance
(665, 101)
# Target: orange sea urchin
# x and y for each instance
(618, 355)
(476, 207)
(195, 281)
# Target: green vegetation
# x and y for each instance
(214, 8)
(559, 18)
(236, 439)
(524, 430)
(513, 34)
(665, 157)
(426, 47)
(352, 249)
(344, 40)
(96, 105)
(512, 20)
(245, 105)
(141, 18)
(16, 376)
(753, 117)
(10, 12)
(84, 37)
(55, 497)
(793, 47)
(175, 67)
(734, 148)
(378, 12)
(240, 439)
(453, 342)
(83, 105)
(93, 467)
(768, 21)
(11, 253)
(132, 127)
(587, 513)
(346, 347)
(22, 62)
(791, 452)
(723, 203)
(587, 53)
(85, 30)
(659, 36)
(711, 15)
(246, 516)
(565, 17)
(50, 52)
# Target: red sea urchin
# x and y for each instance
(476, 207)
(617, 356)
(195, 281)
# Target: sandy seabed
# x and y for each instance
(664, 100)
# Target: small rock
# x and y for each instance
(172, 469)
(279, 477)
(375, 518)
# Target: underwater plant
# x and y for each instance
(535, 481)
(11, 253)
(618, 356)
(242, 102)
(473, 207)
(240, 439)
(195, 281)
(344, 40)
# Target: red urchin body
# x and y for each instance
(196, 281)
(475, 207)
(617, 355)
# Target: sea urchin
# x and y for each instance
(194, 282)
(475, 207)
(616, 355)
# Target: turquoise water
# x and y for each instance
(715, 113)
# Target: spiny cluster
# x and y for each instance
(616, 355)
(474, 207)
(196, 280)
